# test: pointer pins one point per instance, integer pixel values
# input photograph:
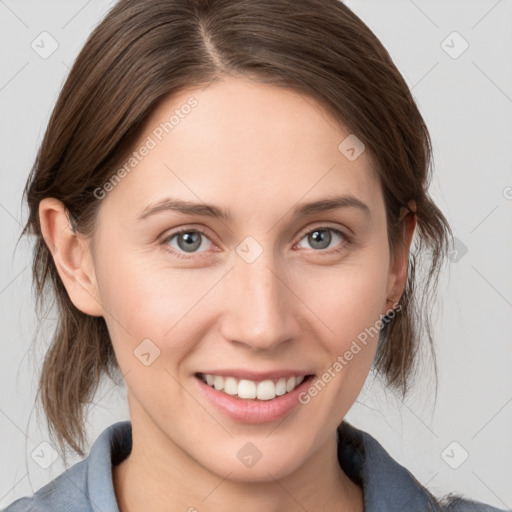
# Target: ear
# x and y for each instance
(72, 257)
(397, 277)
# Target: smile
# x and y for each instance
(244, 388)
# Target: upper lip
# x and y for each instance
(256, 376)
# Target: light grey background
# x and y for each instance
(467, 104)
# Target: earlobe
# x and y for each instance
(71, 255)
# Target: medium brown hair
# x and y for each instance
(144, 50)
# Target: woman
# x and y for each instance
(224, 205)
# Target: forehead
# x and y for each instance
(248, 145)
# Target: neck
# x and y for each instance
(159, 476)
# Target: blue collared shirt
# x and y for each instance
(387, 486)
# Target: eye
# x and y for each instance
(191, 241)
(320, 239)
(187, 241)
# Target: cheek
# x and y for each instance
(347, 298)
(348, 301)
(145, 299)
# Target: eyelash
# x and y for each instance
(321, 252)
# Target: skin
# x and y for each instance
(257, 150)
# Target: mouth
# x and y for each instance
(264, 399)
(260, 389)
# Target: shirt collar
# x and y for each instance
(387, 486)
(112, 446)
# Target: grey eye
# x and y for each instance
(321, 238)
(187, 241)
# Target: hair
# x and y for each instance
(145, 50)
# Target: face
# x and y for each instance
(268, 289)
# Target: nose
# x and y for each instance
(259, 305)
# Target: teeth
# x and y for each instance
(243, 388)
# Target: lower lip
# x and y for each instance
(248, 410)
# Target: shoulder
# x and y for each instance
(387, 485)
(86, 486)
(62, 493)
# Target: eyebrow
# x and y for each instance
(208, 210)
